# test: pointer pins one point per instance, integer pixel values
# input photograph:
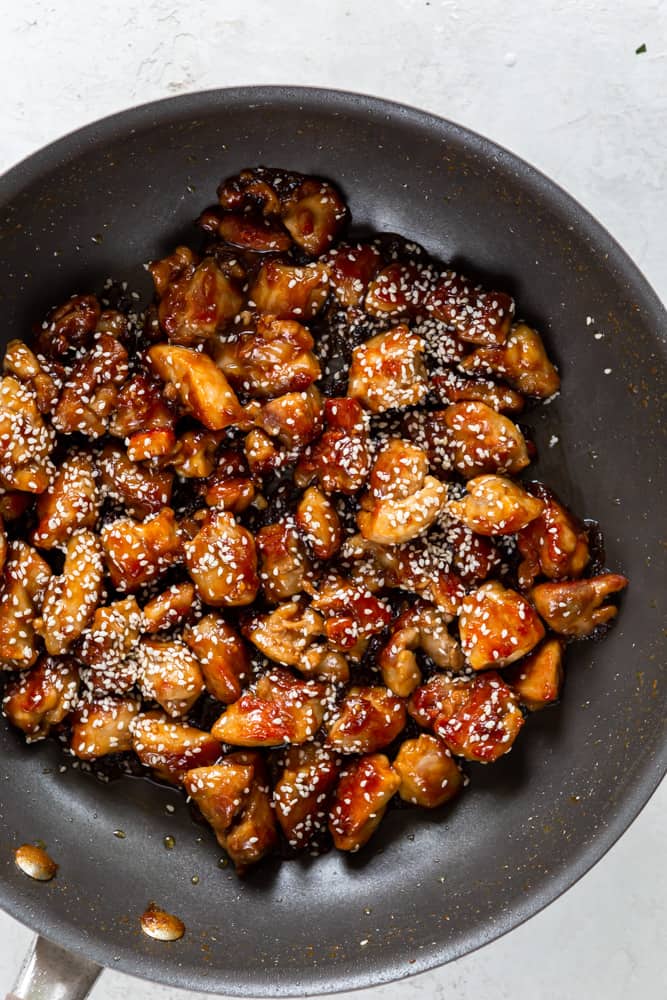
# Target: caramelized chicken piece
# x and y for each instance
(222, 561)
(249, 232)
(70, 502)
(172, 607)
(170, 748)
(90, 393)
(169, 674)
(230, 485)
(324, 663)
(319, 522)
(554, 544)
(26, 441)
(42, 697)
(473, 556)
(340, 459)
(314, 214)
(429, 775)
(294, 419)
(139, 552)
(482, 440)
(538, 678)
(70, 600)
(144, 418)
(486, 726)
(253, 190)
(179, 264)
(574, 607)
(254, 835)
(453, 388)
(260, 453)
(283, 561)
(403, 501)
(222, 655)
(495, 505)
(280, 709)
(352, 615)
(290, 291)
(70, 326)
(351, 267)
(478, 317)
(522, 361)
(370, 718)
(197, 303)
(388, 371)
(25, 577)
(360, 801)
(303, 790)
(285, 633)
(428, 430)
(107, 645)
(20, 361)
(194, 454)
(202, 387)
(274, 359)
(398, 289)
(141, 489)
(439, 699)
(497, 626)
(103, 726)
(222, 790)
(422, 626)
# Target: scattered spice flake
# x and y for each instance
(640, 50)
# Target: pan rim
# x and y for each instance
(118, 124)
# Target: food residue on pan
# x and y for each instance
(159, 924)
(35, 862)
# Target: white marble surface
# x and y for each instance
(559, 83)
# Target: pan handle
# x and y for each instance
(51, 973)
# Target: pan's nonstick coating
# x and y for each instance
(428, 887)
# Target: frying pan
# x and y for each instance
(428, 888)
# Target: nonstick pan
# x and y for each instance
(428, 888)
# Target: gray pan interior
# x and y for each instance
(429, 887)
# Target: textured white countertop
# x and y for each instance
(557, 82)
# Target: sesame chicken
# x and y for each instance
(223, 657)
(554, 544)
(42, 697)
(222, 561)
(200, 384)
(71, 501)
(429, 775)
(497, 626)
(481, 440)
(137, 552)
(276, 358)
(290, 291)
(495, 505)
(70, 600)
(422, 626)
(522, 361)
(103, 725)
(538, 678)
(388, 372)
(26, 441)
(360, 801)
(370, 718)
(575, 608)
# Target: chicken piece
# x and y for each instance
(497, 626)
(175, 266)
(249, 232)
(324, 663)
(90, 393)
(411, 500)
(255, 190)
(172, 607)
(340, 460)
(139, 552)
(42, 697)
(69, 327)
(107, 645)
(352, 615)
(223, 657)
(429, 775)
(222, 561)
(254, 834)
(486, 726)
(70, 599)
(473, 557)
(554, 544)
(481, 441)
(290, 291)
(141, 489)
(26, 442)
(478, 317)
(428, 430)
(171, 748)
(194, 454)
(222, 790)
(295, 418)
(398, 471)
(423, 626)
(303, 790)
(274, 359)
(230, 485)
(260, 453)
(280, 709)
(24, 580)
(370, 718)
(20, 361)
(439, 699)
(522, 361)
(195, 305)
(351, 267)
(360, 801)
(143, 417)
(70, 502)
(453, 388)
(397, 290)
(103, 726)
(286, 632)
(537, 679)
(574, 607)
(169, 674)
(388, 371)
(495, 505)
(314, 214)
(318, 520)
(284, 563)
(202, 387)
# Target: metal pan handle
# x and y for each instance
(51, 973)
